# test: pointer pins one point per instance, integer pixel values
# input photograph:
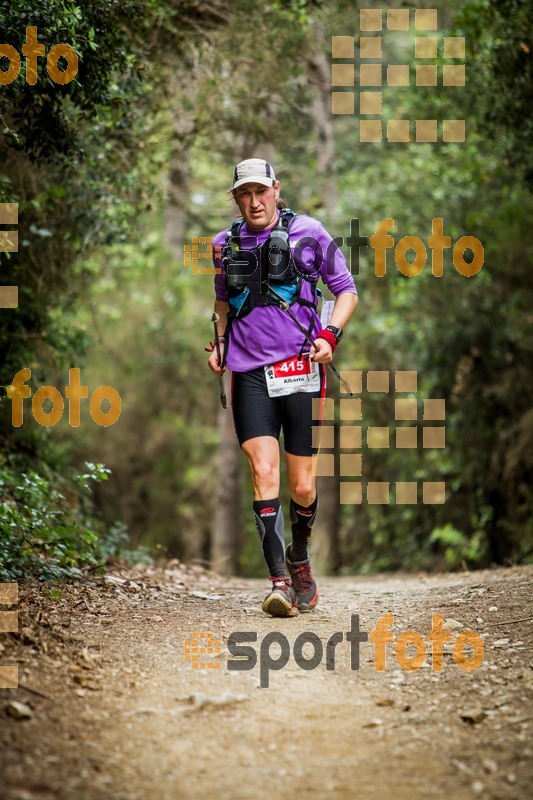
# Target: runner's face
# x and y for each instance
(257, 204)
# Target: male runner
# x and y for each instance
(276, 372)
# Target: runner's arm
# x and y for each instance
(343, 309)
(222, 309)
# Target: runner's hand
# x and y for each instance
(212, 361)
(322, 351)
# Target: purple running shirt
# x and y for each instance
(267, 334)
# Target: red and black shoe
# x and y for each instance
(281, 600)
(303, 582)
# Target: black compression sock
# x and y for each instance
(268, 516)
(302, 519)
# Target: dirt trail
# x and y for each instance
(127, 717)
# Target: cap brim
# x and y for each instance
(259, 179)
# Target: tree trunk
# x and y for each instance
(320, 78)
(326, 549)
(174, 213)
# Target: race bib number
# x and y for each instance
(291, 376)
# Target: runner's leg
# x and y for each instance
(262, 453)
(299, 416)
(258, 424)
(298, 419)
(303, 504)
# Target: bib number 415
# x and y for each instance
(292, 366)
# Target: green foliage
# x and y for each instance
(150, 318)
(47, 524)
(170, 94)
(458, 549)
(118, 47)
(456, 332)
(84, 162)
(500, 85)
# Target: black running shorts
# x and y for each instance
(255, 413)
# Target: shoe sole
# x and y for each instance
(278, 606)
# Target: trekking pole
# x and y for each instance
(285, 307)
(214, 319)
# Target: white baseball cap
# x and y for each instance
(253, 170)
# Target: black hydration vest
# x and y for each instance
(263, 275)
(254, 274)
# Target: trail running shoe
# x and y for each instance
(282, 600)
(303, 581)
